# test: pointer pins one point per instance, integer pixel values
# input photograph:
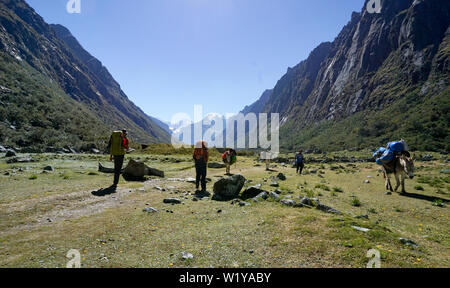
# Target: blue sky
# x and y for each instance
(168, 55)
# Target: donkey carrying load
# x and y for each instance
(398, 161)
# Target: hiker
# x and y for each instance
(299, 162)
(201, 157)
(118, 147)
(266, 156)
(229, 158)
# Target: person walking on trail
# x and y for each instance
(299, 162)
(201, 158)
(229, 158)
(118, 147)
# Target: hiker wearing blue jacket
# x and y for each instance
(299, 162)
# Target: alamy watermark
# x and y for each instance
(374, 6)
(73, 6)
(375, 258)
(75, 259)
(230, 131)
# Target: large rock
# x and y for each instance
(136, 171)
(216, 165)
(228, 188)
(10, 153)
(251, 192)
(3, 149)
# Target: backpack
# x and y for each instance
(379, 152)
(116, 144)
(386, 158)
(299, 158)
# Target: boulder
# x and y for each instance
(216, 165)
(3, 149)
(251, 192)
(135, 171)
(10, 153)
(228, 188)
(202, 194)
(49, 168)
(263, 195)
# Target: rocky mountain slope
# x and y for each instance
(385, 76)
(53, 87)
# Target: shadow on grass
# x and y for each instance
(105, 191)
(424, 197)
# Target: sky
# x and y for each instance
(169, 55)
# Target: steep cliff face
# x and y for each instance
(53, 52)
(378, 60)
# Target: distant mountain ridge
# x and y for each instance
(386, 76)
(52, 52)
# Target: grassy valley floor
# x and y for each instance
(44, 215)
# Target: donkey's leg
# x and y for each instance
(388, 183)
(397, 180)
(403, 183)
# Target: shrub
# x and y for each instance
(355, 202)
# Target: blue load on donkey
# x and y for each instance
(387, 155)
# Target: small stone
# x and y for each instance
(274, 196)
(274, 184)
(388, 193)
(150, 210)
(366, 182)
(172, 201)
(408, 242)
(186, 256)
(49, 168)
(361, 229)
(243, 204)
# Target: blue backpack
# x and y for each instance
(387, 157)
(379, 152)
(396, 146)
(299, 158)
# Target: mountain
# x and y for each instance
(56, 93)
(259, 104)
(385, 77)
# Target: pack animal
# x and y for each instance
(402, 166)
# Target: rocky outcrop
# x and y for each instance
(228, 188)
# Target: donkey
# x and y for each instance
(401, 167)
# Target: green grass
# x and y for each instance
(279, 236)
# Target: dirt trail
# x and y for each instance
(34, 213)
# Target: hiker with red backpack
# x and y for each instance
(229, 158)
(201, 158)
(118, 146)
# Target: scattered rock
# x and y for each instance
(251, 192)
(263, 195)
(366, 182)
(427, 158)
(282, 177)
(190, 180)
(186, 256)
(3, 149)
(306, 201)
(361, 229)
(243, 204)
(150, 210)
(287, 202)
(362, 217)
(49, 168)
(160, 188)
(388, 193)
(278, 191)
(228, 188)
(20, 160)
(172, 201)
(327, 209)
(202, 194)
(408, 242)
(274, 184)
(274, 196)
